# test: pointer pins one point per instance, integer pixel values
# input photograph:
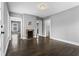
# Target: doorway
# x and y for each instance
(15, 31)
(15, 27)
(48, 27)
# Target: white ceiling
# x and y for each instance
(31, 7)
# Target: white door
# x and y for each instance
(0, 30)
(1, 36)
(1, 33)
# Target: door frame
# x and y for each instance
(19, 26)
(16, 19)
(48, 23)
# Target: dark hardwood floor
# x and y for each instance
(42, 47)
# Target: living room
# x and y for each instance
(39, 28)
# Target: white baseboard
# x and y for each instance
(43, 35)
(23, 38)
(34, 36)
(70, 42)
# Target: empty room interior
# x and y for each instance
(39, 28)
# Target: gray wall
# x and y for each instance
(65, 25)
(5, 18)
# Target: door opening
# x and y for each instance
(15, 32)
(48, 25)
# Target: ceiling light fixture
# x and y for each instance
(42, 6)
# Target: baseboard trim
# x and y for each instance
(43, 35)
(66, 41)
(70, 42)
(24, 38)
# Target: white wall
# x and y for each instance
(65, 26)
(5, 18)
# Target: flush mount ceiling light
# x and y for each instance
(42, 6)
